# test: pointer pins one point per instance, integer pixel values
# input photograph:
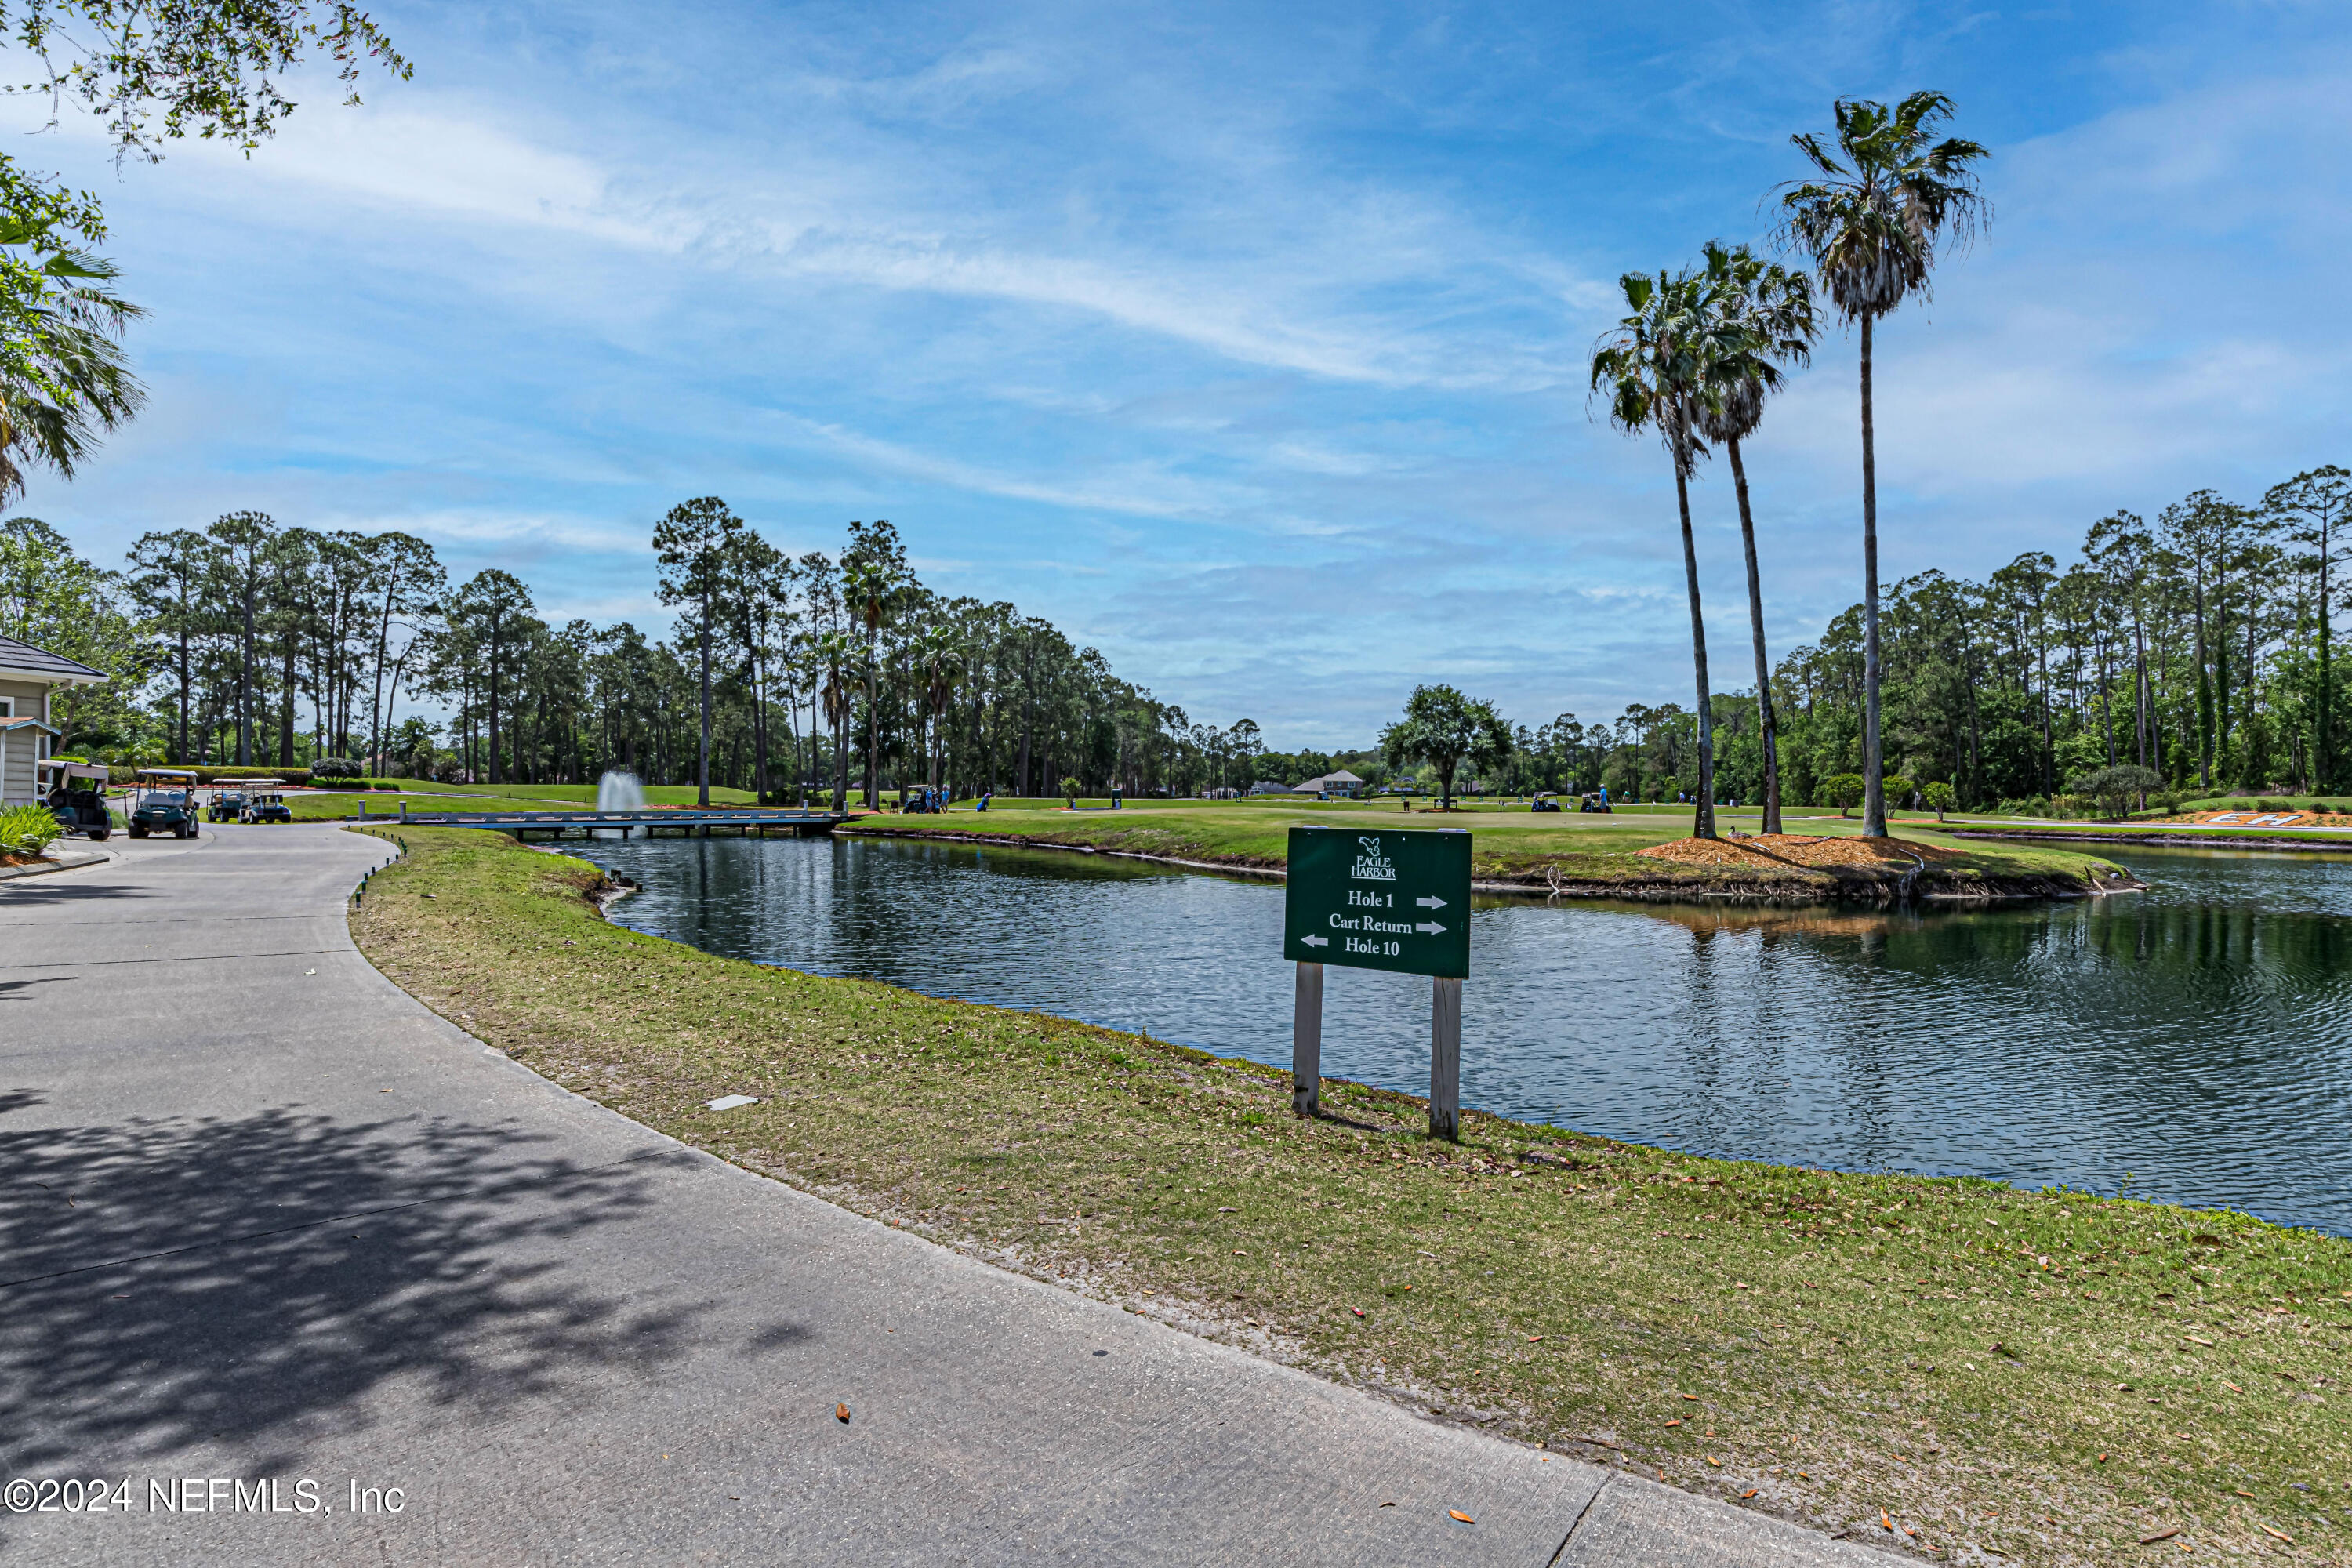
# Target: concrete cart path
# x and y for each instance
(265, 1218)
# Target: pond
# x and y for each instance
(2191, 1042)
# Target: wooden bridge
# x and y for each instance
(743, 822)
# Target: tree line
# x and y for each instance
(2192, 654)
(2198, 649)
(813, 676)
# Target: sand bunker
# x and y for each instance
(1760, 850)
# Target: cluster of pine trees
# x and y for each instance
(251, 643)
(2197, 651)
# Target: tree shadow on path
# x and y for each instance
(253, 1283)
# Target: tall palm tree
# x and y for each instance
(1772, 309)
(1658, 363)
(1871, 224)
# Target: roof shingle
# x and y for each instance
(22, 657)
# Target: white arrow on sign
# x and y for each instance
(1430, 904)
(1315, 940)
(1430, 927)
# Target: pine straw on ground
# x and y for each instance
(1798, 849)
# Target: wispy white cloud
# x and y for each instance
(488, 529)
(1142, 490)
(1286, 314)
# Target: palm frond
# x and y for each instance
(1873, 227)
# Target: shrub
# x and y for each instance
(1899, 790)
(337, 768)
(119, 774)
(28, 830)
(1843, 791)
(1938, 797)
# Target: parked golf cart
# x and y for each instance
(76, 795)
(266, 805)
(165, 803)
(1544, 800)
(227, 803)
(1596, 800)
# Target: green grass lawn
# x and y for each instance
(2047, 1375)
(1591, 853)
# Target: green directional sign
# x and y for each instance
(1394, 899)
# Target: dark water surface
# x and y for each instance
(2194, 1041)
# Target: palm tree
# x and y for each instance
(1659, 366)
(1871, 225)
(1772, 309)
(63, 378)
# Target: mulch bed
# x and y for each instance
(1798, 850)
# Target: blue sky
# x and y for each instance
(1246, 342)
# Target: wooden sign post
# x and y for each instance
(1398, 900)
(1306, 1040)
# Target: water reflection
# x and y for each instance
(2190, 1039)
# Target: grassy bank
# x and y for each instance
(2047, 1376)
(1592, 856)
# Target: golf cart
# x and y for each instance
(1544, 800)
(265, 804)
(1596, 800)
(165, 803)
(227, 803)
(76, 795)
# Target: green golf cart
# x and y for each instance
(165, 802)
(75, 793)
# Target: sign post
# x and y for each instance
(1306, 1040)
(1398, 900)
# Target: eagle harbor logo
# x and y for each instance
(1371, 865)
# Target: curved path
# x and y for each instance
(266, 1221)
